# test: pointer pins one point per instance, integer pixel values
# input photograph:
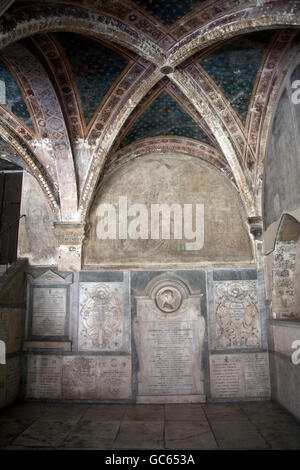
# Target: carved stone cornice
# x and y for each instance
(69, 233)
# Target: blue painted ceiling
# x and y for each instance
(168, 11)
(95, 68)
(234, 68)
(164, 117)
(14, 99)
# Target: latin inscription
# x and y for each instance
(79, 377)
(239, 375)
(49, 311)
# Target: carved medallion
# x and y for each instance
(168, 299)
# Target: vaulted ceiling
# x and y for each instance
(87, 85)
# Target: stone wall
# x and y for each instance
(145, 336)
(11, 331)
(281, 205)
(37, 242)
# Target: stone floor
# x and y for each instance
(260, 425)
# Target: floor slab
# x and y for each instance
(246, 425)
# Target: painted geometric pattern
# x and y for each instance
(164, 116)
(11, 96)
(168, 11)
(95, 68)
(234, 68)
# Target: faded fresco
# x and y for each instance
(167, 179)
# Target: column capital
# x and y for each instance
(70, 238)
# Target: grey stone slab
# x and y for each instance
(237, 434)
(103, 413)
(109, 276)
(189, 435)
(144, 413)
(92, 435)
(234, 274)
(262, 308)
(44, 433)
(281, 436)
(226, 411)
(11, 428)
(69, 412)
(140, 435)
(24, 411)
(266, 412)
(184, 412)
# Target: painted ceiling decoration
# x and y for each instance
(164, 117)
(168, 11)
(95, 68)
(234, 68)
(100, 79)
(12, 97)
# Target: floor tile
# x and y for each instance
(140, 435)
(92, 435)
(185, 412)
(144, 413)
(44, 433)
(189, 435)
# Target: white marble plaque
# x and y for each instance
(101, 316)
(169, 334)
(115, 377)
(44, 376)
(239, 375)
(236, 315)
(49, 308)
(97, 377)
(80, 377)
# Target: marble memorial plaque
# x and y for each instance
(115, 377)
(97, 377)
(101, 316)
(49, 309)
(79, 377)
(48, 306)
(239, 375)
(169, 332)
(44, 376)
(284, 281)
(236, 322)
